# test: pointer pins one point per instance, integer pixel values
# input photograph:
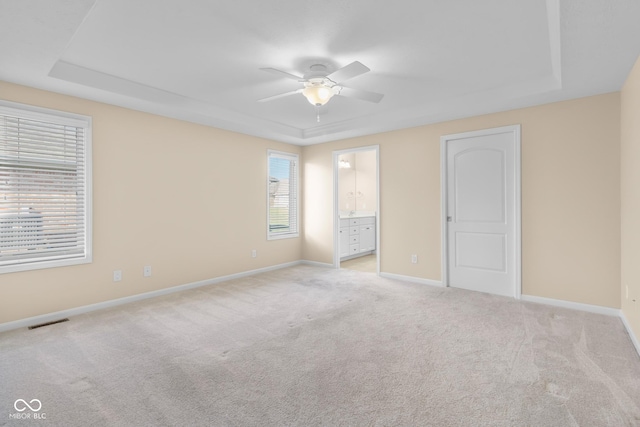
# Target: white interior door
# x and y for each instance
(482, 210)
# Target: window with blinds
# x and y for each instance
(282, 184)
(44, 188)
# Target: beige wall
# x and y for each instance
(630, 195)
(189, 200)
(161, 189)
(570, 197)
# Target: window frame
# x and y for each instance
(47, 115)
(292, 157)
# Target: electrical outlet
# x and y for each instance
(147, 271)
(254, 253)
(414, 259)
(117, 275)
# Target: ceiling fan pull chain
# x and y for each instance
(318, 113)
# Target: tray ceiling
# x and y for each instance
(433, 60)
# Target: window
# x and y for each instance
(282, 185)
(45, 200)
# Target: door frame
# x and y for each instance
(336, 203)
(444, 140)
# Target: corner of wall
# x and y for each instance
(630, 202)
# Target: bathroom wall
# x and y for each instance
(347, 183)
(357, 184)
(366, 199)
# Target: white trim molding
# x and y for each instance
(411, 279)
(50, 317)
(316, 263)
(632, 336)
(597, 309)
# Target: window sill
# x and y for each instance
(283, 236)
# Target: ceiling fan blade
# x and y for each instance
(348, 72)
(282, 95)
(364, 95)
(283, 74)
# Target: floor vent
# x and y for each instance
(48, 323)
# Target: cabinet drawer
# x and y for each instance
(366, 228)
(354, 249)
(354, 221)
(368, 220)
(354, 239)
(354, 230)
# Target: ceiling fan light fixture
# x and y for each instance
(319, 87)
(318, 94)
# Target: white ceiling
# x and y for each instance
(434, 60)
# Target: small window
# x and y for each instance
(45, 175)
(282, 189)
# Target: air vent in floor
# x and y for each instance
(48, 323)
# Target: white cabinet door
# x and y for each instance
(367, 238)
(344, 242)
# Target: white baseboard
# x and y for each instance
(316, 263)
(598, 309)
(411, 279)
(50, 317)
(633, 337)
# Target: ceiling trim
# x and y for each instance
(158, 98)
(553, 22)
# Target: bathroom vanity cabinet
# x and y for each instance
(357, 236)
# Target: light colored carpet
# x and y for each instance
(308, 346)
(366, 264)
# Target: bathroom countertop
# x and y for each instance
(357, 215)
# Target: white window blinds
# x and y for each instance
(282, 210)
(44, 183)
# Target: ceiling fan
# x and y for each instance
(319, 87)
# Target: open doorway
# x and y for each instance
(357, 209)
